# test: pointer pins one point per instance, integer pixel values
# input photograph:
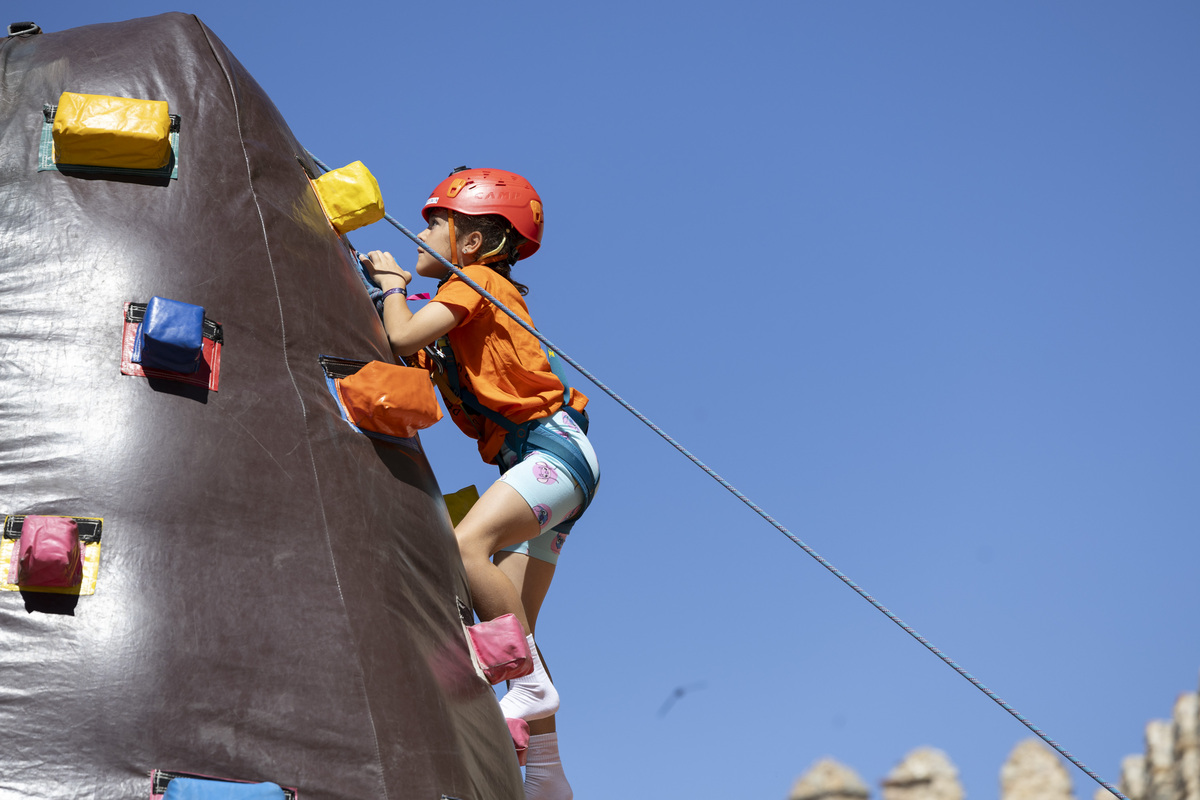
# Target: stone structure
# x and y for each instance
(1187, 745)
(924, 774)
(829, 780)
(1168, 770)
(1170, 767)
(1034, 772)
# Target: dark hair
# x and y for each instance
(496, 231)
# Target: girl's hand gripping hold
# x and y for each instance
(385, 271)
(407, 332)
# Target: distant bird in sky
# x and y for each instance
(679, 692)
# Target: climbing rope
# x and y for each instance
(753, 506)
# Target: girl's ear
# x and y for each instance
(469, 245)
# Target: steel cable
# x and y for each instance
(752, 505)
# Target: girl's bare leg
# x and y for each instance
(500, 518)
(544, 776)
(531, 577)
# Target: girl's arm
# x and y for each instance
(408, 332)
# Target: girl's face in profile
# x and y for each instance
(437, 236)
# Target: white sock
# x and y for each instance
(544, 776)
(531, 696)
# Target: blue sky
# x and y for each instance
(920, 278)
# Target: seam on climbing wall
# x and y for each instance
(8, 99)
(362, 681)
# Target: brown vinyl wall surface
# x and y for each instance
(277, 592)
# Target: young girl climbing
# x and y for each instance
(501, 391)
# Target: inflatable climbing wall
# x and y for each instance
(259, 592)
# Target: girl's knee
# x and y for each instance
(473, 543)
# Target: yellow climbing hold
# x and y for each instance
(350, 197)
(460, 502)
(102, 131)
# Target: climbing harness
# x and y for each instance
(522, 437)
(754, 507)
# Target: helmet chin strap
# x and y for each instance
(453, 239)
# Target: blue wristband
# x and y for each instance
(398, 290)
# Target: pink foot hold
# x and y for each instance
(501, 648)
(519, 730)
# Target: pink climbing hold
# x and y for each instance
(501, 648)
(48, 553)
(519, 730)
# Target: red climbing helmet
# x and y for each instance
(493, 191)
